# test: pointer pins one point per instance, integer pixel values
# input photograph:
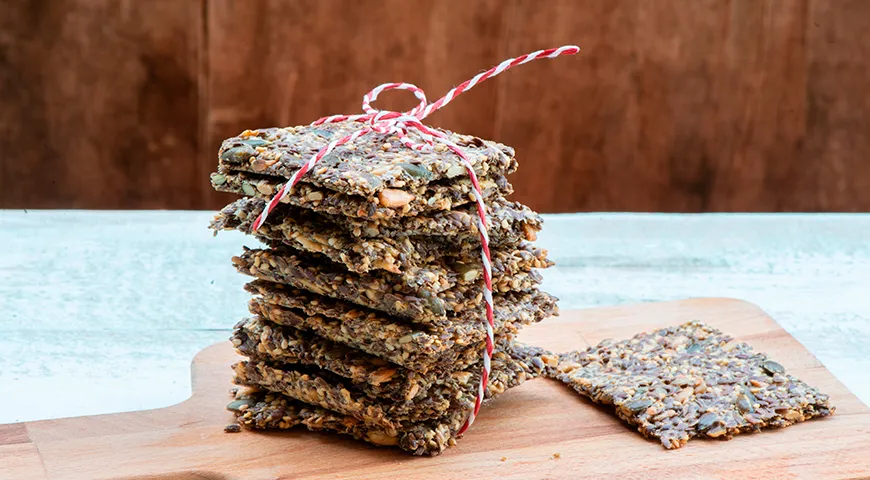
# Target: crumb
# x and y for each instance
(233, 428)
(557, 455)
(503, 459)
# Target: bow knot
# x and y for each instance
(390, 122)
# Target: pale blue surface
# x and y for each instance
(103, 311)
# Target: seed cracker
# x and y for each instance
(371, 164)
(691, 381)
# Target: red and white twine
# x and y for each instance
(399, 124)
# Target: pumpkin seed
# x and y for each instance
(416, 171)
(322, 133)
(437, 306)
(772, 367)
(248, 189)
(254, 141)
(707, 420)
(749, 394)
(744, 404)
(218, 179)
(238, 154)
(638, 406)
(694, 348)
(236, 405)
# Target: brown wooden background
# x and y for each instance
(674, 105)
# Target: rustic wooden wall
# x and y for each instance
(702, 105)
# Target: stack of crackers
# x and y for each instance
(367, 316)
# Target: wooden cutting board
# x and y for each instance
(538, 430)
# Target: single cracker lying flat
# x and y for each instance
(508, 224)
(691, 380)
(372, 164)
(262, 410)
(388, 204)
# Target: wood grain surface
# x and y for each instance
(538, 430)
(99, 104)
(709, 105)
